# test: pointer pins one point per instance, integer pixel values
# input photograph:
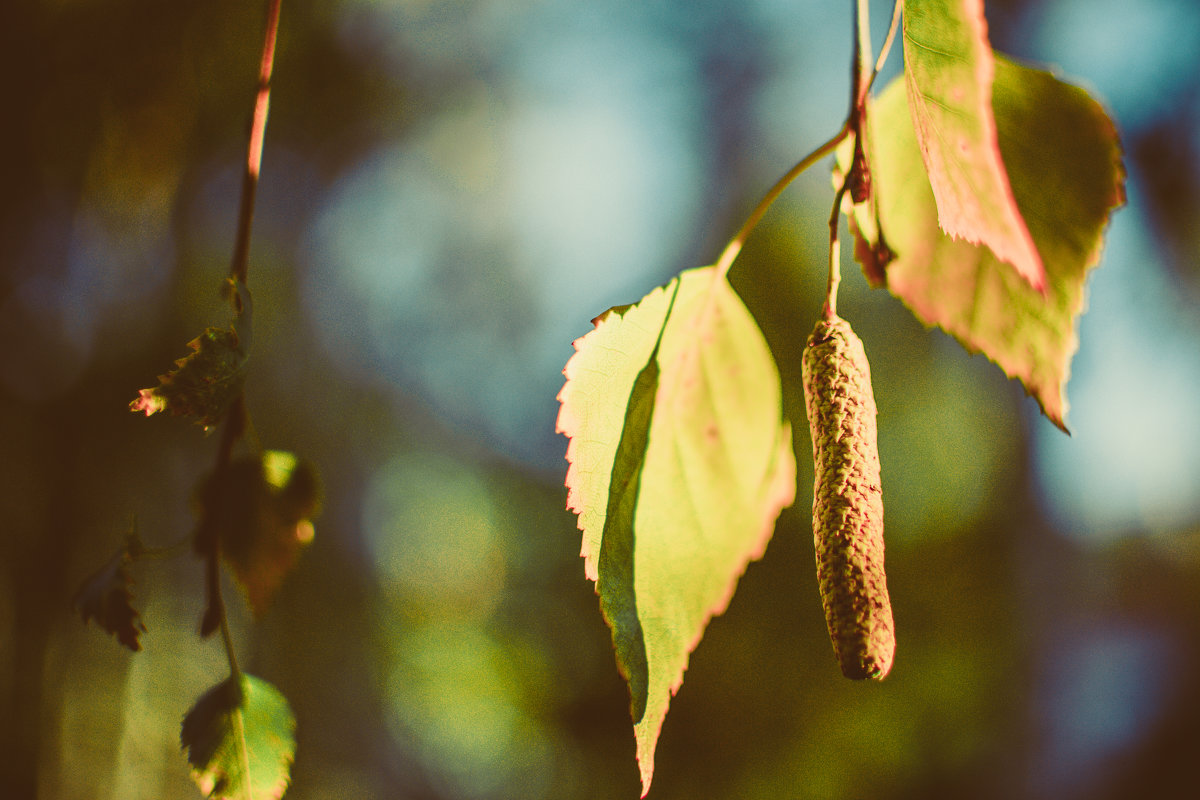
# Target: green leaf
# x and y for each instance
(260, 509)
(680, 463)
(1064, 160)
(948, 69)
(205, 382)
(240, 740)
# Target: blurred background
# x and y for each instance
(450, 192)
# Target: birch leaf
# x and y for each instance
(1064, 160)
(240, 740)
(680, 463)
(948, 72)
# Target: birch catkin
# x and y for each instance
(848, 500)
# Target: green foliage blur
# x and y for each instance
(450, 191)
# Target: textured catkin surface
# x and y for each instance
(848, 500)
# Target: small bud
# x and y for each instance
(848, 500)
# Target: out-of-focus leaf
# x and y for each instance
(1064, 162)
(240, 740)
(260, 510)
(205, 382)
(948, 69)
(709, 454)
(107, 596)
(294, 485)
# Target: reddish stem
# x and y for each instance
(258, 126)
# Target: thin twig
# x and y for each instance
(829, 310)
(860, 86)
(862, 56)
(234, 671)
(240, 265)
(231, 431)
(897, 9)
(735, 244)
(865, 86)
(236, 421)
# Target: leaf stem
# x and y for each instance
(232, 430)
(735, 244)
(862, 56)
(215, 615)
(165, 551)
(863, 49)
(829, 310)
(861, 84)
(897, 9)
(235, 671)
(241, 251)
(858, 176)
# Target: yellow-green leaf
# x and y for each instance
(679, 454)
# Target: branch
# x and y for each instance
(240, 265)
(236, 421)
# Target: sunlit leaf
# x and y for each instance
(948, 70)
(678, 455)
(107, 596)
(615, 572)
(1064, 161)
(240, 740)
(260, 510)
(204, 383)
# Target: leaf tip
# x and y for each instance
(646, 769)
(147, 401)
(1059, 419)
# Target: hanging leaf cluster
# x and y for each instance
(256, 511)
(1045, 167)
(978, 191)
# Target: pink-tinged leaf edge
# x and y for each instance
(1041, 120)
(672, 638)
(985, 214)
